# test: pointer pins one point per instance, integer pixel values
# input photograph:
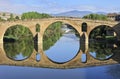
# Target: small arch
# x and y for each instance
(37, 27)
(84, 27)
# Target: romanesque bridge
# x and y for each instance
(44, 24)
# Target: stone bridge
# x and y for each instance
(44, 24)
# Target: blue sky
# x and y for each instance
(58, 6)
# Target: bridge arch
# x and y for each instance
(84, 27)
(11, 31)
(45, 25)
(5, 28)
(77, 28)
(102, 27)
(14, 26)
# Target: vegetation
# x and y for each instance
(1, 19)
(17, 32)
(37, 28)
(51, 35)
(22, 47)
(34, 15)
(4, 14)
(102, 50)
(17, 18)
(96, 17)
(23, 44)
(101, 33)
(11, 17)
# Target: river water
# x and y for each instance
(99, 72)
(64, 46)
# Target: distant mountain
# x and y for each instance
(104, 13)
(76, 13)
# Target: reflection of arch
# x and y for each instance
(109, 30)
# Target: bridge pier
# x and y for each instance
(84, 38)
(1, 40)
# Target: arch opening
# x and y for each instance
(84, 27)
(102, 42)
(18, 42)
(37, 27)
(61, 42)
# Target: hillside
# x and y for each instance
(76, 13)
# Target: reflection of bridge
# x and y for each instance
(45, 62)
(44, 23)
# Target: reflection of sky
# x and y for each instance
(83, 59)
(95, 56)
(19, 57)
(38, 57)
(64, 49)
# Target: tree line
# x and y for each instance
(96, 17)
(27, 16)
(34, 15)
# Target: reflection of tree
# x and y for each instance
(24, 46)
(114, 71)
(51, 35)
(102, 50)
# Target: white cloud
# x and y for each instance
(47, 6)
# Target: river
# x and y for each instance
(65, 49)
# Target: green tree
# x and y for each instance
(37, 28)
(4, 14)
(17, 18)
(34, 15)
(95, 17)
(11, 17)
(17, 32)
(51, 35)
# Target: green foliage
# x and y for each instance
(4, 14)
(17, 18)
(96, 17)
(51, 35)
(102, 49)
(1, 19)
(11, 17)
(24, 47)
(34, 15)
(18, 32)
(24, 41)
(99, 32)
(37, 28)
